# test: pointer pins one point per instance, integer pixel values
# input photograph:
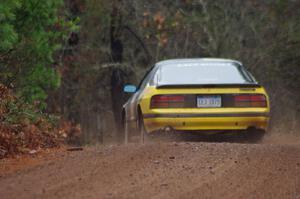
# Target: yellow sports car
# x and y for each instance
(198, 95)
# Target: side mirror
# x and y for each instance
(129, 89)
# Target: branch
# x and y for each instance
(149, 56)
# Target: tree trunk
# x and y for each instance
(117, 76)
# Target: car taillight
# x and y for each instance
(167, 101)
(250, 100)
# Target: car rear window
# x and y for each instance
(202, 73)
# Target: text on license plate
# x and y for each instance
(209, 101)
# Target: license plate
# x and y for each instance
(209, 101)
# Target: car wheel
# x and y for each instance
(142, 130)
(125, 129)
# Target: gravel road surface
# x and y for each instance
(163, 170)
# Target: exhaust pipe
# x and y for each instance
(168, 129)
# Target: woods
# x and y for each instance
(71, 58)
(31, 33)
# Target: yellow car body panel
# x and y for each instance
(203, 118)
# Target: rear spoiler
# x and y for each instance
(209, 86)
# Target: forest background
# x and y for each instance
(63, 63)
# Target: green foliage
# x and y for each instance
(31, 31)
(21, 112)
(16, 111)
(8, 36)
(39, 80)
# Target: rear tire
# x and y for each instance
(141, 128)
(125, 137)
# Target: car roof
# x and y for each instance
(197, 60)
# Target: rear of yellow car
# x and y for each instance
(181, 109)
(207, 95)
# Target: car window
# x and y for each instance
(146, 78)
(202, 73)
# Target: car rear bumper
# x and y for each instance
(211, 121)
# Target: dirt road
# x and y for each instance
(164, 170)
